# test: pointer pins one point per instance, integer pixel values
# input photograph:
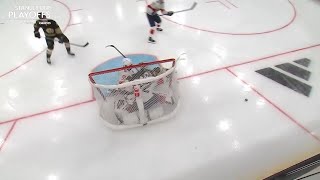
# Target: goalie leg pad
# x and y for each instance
(130, 118)
(155, 113)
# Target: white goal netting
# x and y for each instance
(148, 95)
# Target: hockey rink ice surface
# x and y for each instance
(235, 50)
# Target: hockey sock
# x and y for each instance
(67, 46)
(152, 32)
(49, 52)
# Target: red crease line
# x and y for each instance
(181, 78)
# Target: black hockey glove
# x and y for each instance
(37, 34)
(170, 13)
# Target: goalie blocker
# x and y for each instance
(149, 94)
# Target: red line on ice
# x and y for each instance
(33, 57)
(181, 78)
(250, 61)
(186, 77)
(46, 112)
(91, 100)
(276, 106)
(8, 135)
(27, 61)
(242, 34)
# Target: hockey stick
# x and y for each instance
(73, 44)
(191, 8)
(122, 56)
(116, 49)
(181, 58)
(80, 45)
(188, 9)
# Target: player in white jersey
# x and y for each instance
(126, 104)
(127, 74)
(153, 17)
(147, 96)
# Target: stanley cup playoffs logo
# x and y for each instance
(27, 10)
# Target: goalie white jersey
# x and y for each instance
(127, 75)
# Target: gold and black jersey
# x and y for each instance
(49, 26)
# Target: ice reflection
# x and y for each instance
(224, 125)
(52, 177)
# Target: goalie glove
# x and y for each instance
(170, 13)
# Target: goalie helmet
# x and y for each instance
(126, 62)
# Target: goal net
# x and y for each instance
(149, 93)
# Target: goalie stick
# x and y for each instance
(116, 49)
(181, 58)
(111, 45)
(184, 10)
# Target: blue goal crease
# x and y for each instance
(113, 78)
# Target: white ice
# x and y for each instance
(49, 123)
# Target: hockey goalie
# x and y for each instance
(136, 94)
(143, 102)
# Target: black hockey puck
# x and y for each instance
(246, 100)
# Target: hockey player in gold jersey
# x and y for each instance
(51, 30)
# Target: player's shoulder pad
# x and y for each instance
(51, 20)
